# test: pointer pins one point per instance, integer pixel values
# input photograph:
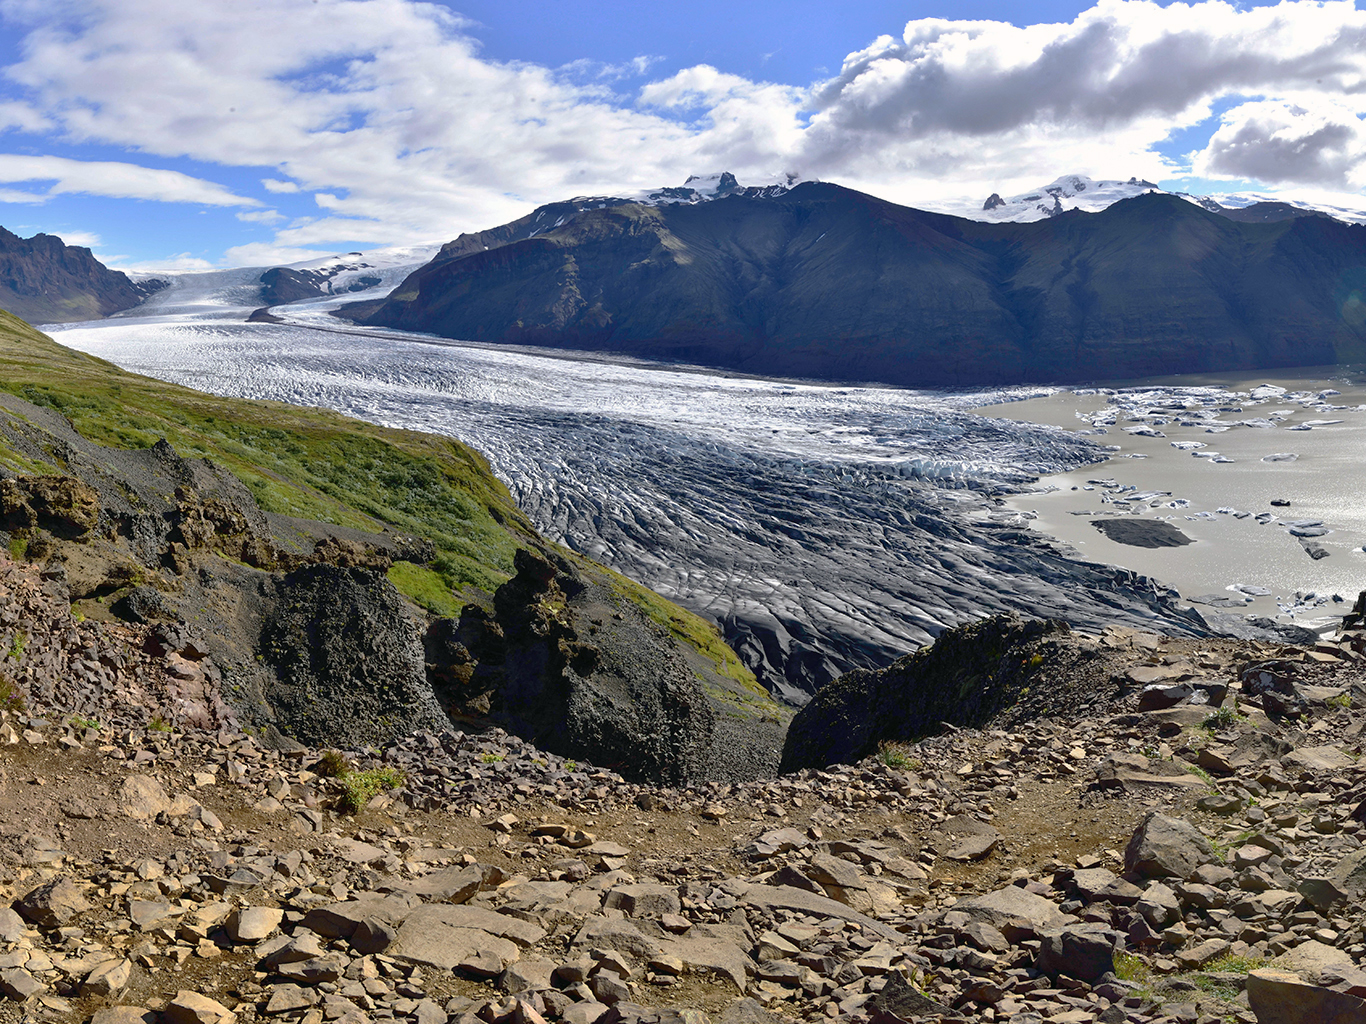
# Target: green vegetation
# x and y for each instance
(11, 697)
(358, 788)
(1342, 700)
(1131, 968)
(1227, 717)
(309, 463)
(1203, 776)
(18, 545)
(332, 764)
(425, 588)
(158, 724)
(491, 758)
(78, 722)
(898, 755)
(16, 645)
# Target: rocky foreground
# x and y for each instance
(1187, 849)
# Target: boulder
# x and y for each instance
(968, 674)
(1084, 952)
(1013, 911)
(347, 658)
(1163, 847)
(627, 698)
(192, 1008)
(53, 904)
(1282, 997)
(140, 797)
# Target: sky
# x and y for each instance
(167, 135)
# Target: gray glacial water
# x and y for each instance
(824, 527)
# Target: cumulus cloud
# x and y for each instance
(1279, 142)
(1116, 80)
(387, 113)
(115, 179)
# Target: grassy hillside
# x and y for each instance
(317, 464)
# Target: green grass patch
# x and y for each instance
(898, 755)
(304, 462)
(11, 697)
(359, 788)
(424, 587)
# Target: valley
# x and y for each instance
(822, 527)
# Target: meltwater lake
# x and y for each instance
(828, 527)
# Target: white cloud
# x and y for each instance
(385, 111)
(117, 180)
(260, 216)
(1277, 141)
(85, 238)
(267, 254)
(9, 195)
(180, 263)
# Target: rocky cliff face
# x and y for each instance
(826, 282)
(566, 663)
(44, 280)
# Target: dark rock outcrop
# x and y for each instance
(826, 282)
(967, 675)
(347, 657)
(281, 284)
(564, 662)
(44, 280)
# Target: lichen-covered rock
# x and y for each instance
(567, 663)
(347, 658)
(964, 677)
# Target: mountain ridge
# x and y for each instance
(44, 280)
(822, 281)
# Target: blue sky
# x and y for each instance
(230, 133)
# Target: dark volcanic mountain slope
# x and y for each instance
(826, 282)
(44, 280)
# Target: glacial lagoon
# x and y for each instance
(1210, 454)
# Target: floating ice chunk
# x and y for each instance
(1205, 455)
(1300, 426)
(1188, 446)
(1221, 428)
(1264, 391)
(1222, 459)
(1280, 457)
(1260, 423)
(1250, 591)
(1326, 392)
(1179, 503)
(1144, 432)
(1320, 423)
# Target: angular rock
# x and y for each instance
(252, 924)
(1078, 951)
(53, 904)
(141, 797)
(1282, 997)
(192, 1008)
(108, 979)
(1015, 912)
(643, 900)
(1163, 847)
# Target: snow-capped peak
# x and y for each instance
(699, 188)
(1091, 195)
(1070, 192)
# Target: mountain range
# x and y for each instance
(816, 280)
(44, 280)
